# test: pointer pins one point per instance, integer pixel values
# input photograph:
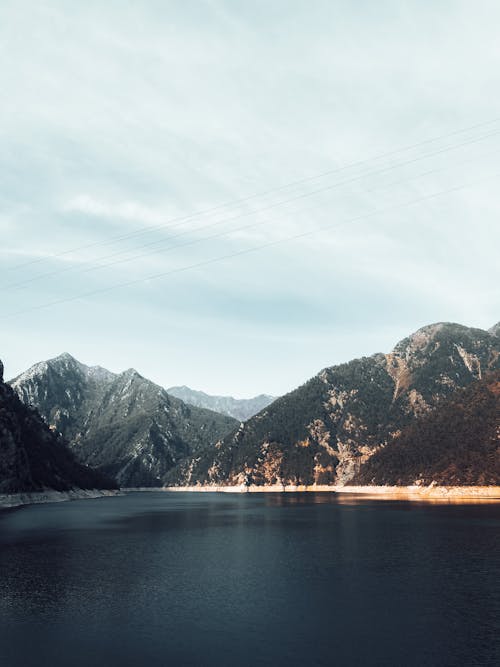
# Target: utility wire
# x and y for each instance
(246, 251)
(94, 266)
(228, 232)
(151, 228)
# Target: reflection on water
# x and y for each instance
(328, 497)
(249, 579)
(357, 499)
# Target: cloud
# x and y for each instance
(126, 210)
(118, 117)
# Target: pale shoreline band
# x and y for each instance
(455, 494)
(421, 492)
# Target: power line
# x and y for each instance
(94, 266)
(118, 238)
(213, 236)
(246, 251)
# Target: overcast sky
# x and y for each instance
(120, 119)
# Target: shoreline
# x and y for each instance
(9, 500)
(456, 494)
(444, 493)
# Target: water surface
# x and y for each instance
(249, 579)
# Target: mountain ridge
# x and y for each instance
(324, 431)
(239, 408)
(120, 423)
(33, 457)
(457, 443)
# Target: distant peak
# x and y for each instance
(430, 330)
(434, 335)
(178, 389)
(130, 372)
(65, 356)
(495, 329)
(188, 390)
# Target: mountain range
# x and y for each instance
(400, 418)
(121, 424)
(325, 431)
(239, 408)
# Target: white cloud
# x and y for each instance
(126, 210)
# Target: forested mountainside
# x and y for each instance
(326, 430)
(34, 458)
(239, 408)
(458, 443)
(122, 424)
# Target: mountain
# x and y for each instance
(239, 408)
(64, 391)
(122, 424)
(324, 431)
(495, 329)
(32, 456)
(458, 443)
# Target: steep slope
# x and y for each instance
(495, 329)
(34, 458)
(324, 431)
(456, 444)
(64, 391)
(239, 408)
(124, 425)
(138, 432)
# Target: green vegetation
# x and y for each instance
(325, 430)
(456, 444)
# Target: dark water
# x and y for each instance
(274, 579)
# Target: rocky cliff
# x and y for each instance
(122, 424)
(32, 456)
(456, 444)
(327, 429)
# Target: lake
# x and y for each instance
(208, 579)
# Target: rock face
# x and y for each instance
(34, 458)
(495, 329)
(458, 443)
(326, 430)
(123, 425)
(64, 391)
(239, 408)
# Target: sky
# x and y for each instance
(234, 195)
